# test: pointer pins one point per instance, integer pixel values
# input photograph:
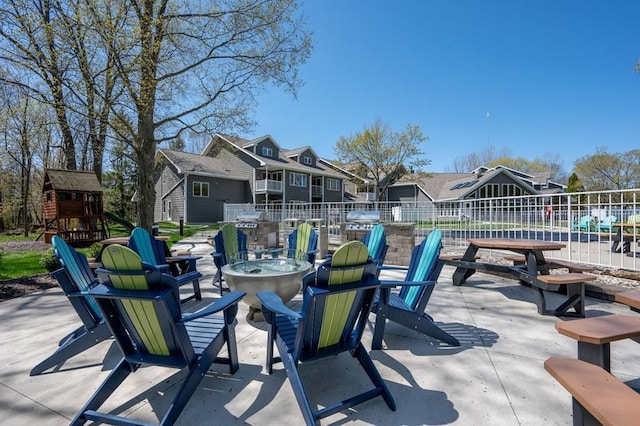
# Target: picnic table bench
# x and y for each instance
(533, 270)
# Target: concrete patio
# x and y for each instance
(496, 377)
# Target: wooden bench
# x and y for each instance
(554, 263)
(594, 335)
(598, 397)
(630, 298)
(454, 257)
(574, 283)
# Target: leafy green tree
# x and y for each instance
(604, 171)
(574, 184)
(382, 154)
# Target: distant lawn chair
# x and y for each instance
(230, 246)
(585, 224)
(74, 277)
(152, 251)
(303, 243)
(376, 242)
(407, 307)
(337, 300)
(606, 224)
(142, 307)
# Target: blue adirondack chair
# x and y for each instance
(230, 245)
(75, 277)
(607, 224)
(142, 307)
(337, 300)
(407, 307)
(376, 242)
(152, 251)
(303, 243)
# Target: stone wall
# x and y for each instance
(400, 237)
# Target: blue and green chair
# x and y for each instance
(142, 307)
(230, 245)
(607, 224)
(337, 301)
(585, 224)
(407, 307)
(376, 242)
(152, 251)
(75, 277)
(303, 243)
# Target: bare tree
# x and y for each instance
(192, 65)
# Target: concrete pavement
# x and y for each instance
(496, 377)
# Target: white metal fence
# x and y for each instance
(577, 219)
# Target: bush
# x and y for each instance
(94, 250)
(49, 261)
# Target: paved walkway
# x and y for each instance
(496, 377)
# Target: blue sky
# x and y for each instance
(554, 77)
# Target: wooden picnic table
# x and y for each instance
(620, 236)
(534, 271)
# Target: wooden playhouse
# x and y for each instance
(73, 207)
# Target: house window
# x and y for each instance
(267, 152)
(307, 160)
(298, 179)
(333, 184)
(200, 189)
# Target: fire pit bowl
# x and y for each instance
(282, 276)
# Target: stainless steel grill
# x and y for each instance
(250, 219)
(361, 220)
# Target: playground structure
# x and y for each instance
(73, 207)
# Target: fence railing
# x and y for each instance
(576, 219)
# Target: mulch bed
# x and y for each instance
(26, 285)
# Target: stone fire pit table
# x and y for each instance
(282, 276)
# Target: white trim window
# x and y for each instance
(200, 189)
(308, 161)
(333, 184)
(298, 179)
(267, 152)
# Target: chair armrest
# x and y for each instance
(218, 259)
(102, 291)
(221, 304)
(392, 268)
(272, 302)
(391, 284)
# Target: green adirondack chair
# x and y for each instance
(337, 300)
(230, 246)
(152, 251)
(75, 277)
(303, 243)
(407, 307)
(142, 307)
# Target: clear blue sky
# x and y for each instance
(555, 76)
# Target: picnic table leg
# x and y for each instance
(462, 272)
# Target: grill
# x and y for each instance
(250, 220)
(361, 220)
(260, 233)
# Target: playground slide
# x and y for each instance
(115, 218)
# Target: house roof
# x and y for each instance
(282, 162)
(187, 163)
(72, 180)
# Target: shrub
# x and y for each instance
(94, 250)
(49, 261)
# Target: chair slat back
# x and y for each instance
(231, 242)
(142, 314)
(336, 301)
(78, 271)
(376, 242)
(423, 265)
(302, 240)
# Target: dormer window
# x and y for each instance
(267, 152)
(307, 160)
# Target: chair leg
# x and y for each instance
(369, 367)
(232, 348)
(115, 379)
(296, 385)
(196, 289)
(73, 347)
(378, 331)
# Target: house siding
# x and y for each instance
(167, 181)
(267, 143)
(242, 165)
(406, 193)
(296, 193)
(211, 209)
